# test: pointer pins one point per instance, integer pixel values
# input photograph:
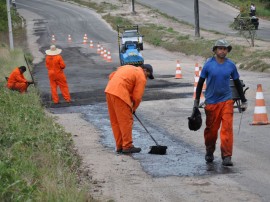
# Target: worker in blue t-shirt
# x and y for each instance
(217, 72)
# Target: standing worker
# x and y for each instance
(218, 71)
(124, 93)
(16, 80)
(56, 65)
(13, 2)
(252, 10)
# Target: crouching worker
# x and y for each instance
(124, 93)
(16, 80)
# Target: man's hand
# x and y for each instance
(30, 82)
(244, 106)
(196, 103)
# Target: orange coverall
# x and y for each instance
(123, 94)
(55, 65)
(16, 81)
(215, 113)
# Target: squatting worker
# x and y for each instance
(56, 65)
(124, 93)
(218, 71)
(16, 80)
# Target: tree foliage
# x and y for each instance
(3, 16)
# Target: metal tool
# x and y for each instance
(27, 64)
(158, 149)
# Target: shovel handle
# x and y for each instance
(146, 129)
(27, 64)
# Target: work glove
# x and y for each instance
(195, 106)
(244, 106)
(196, 103)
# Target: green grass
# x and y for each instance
(171, 40)
(262, 7)
(100, 8)
(174, 41)
(37, 160)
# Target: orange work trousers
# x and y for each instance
(216, 114)
(121, 121)
(61, 81)
(21, 87)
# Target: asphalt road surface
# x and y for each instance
(166, 106)
(214, 15)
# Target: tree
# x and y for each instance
(246, 27)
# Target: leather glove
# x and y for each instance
(196, 103)
(244, 106)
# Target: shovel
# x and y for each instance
(158, 149)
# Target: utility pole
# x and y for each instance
(197, 23)
(133, 6)
(10, 27)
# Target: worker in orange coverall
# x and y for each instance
(56, 65)
(16, 80)
(217, 71)
(124, 93)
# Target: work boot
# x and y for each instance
(227, 161)
(131, 150)
(119, 151)
(209, 157)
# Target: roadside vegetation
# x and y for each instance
(37, 157)
(174, 41)
(262, 6)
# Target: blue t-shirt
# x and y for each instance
(218, 80)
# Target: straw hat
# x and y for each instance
(53, 50)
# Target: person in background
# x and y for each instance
(16, 80)
(252, 10)
(56, 65)
(13, 2)
(217, 72)
(124, 93)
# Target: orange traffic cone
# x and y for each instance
(178, 72)
(53, 39)
(260, 115)
(109, 57)
(105, 54)
(101, 51)
(69, 38)
(196, 79)
(98, 48)
(197, 69)
(85, 39)
(91, 44)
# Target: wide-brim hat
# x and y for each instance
(53, 50)
(222, 43)
(148, 68)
